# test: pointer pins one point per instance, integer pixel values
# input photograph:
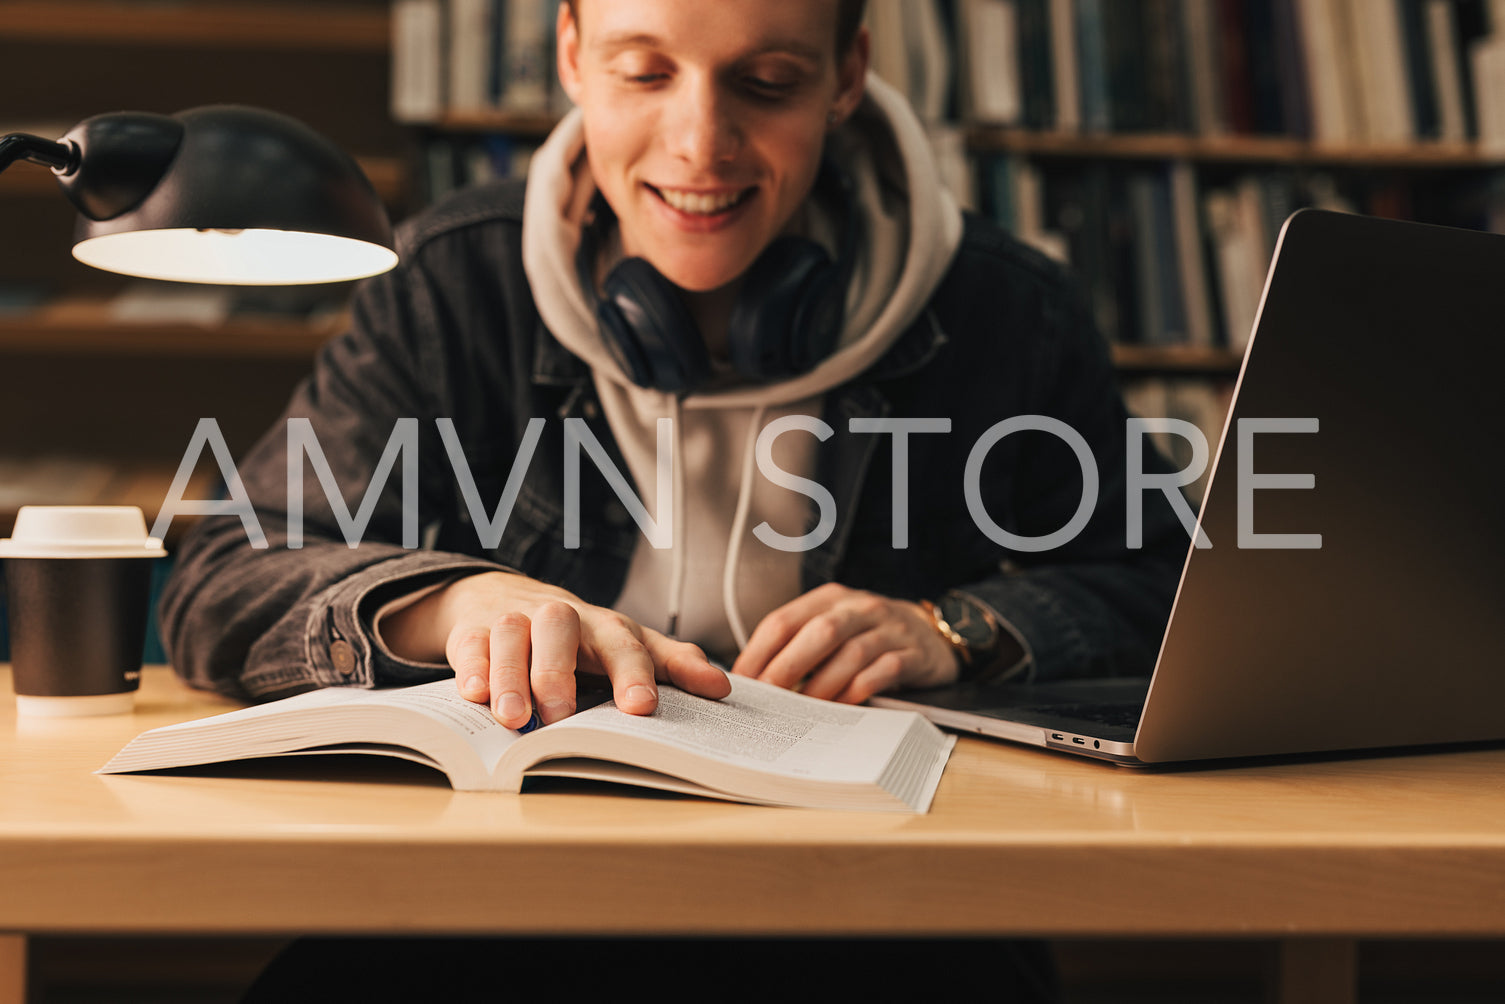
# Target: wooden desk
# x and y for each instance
(1018, 842)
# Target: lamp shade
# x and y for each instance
(222, 194)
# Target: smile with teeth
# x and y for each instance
(699, 204)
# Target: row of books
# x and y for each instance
(453, 161)
(473, 56)
(1333, 71)
(1171, 256)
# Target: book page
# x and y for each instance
(470, 721)
(336, 715)
(762, 727)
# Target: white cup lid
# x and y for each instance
(80, 531)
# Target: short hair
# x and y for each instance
(848, 19)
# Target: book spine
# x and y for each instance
(890, 57)
(1077, 204)
(931, 64)
(1149, 261)
(1238, 93)
(1029, 208)
(1488, 61)
(989, 31)
(1173, 325)
(1065, 71)
(440, 173)
(1263, 68)
(1199, 41)
(1330, 97)
(528, 61)
(1035, 51)
(417, 60)
(997, 190)
(1447, 70)
(1355, 71)
(1384, 62)
(1092, 66)
(1121, 250)
(1420, 74)
(1231, 255)
(1191, 255)
(1126, 65)
(1471, 22)
(496, 53)
(1291, 72)
(470, 55)
(1167, 101)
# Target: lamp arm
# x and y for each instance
(22, 146)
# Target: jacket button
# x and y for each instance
(342, 654)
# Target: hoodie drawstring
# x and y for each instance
(739, 530)
(676, 518)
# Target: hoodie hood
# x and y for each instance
(910, 226)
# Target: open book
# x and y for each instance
(760, 744)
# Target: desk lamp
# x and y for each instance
(221, 194)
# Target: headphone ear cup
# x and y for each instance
(820, 309)
(655, 337)
(617, 335)
(788, 313)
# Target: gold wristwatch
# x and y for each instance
(974, 633)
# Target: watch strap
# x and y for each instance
(945, 630)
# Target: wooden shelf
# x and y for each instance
(1189, 359)
(84, 327)
(1116, 146)
(1231, 149)
(389, 176)
(534, 126)
(281, 25)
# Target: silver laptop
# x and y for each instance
(1389, 634)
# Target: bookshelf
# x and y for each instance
(1183, 360)
(335, 69)
(72, 327)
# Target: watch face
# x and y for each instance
(972, 622)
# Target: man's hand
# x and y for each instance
(847, 645)
(514, 641)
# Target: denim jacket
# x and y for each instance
(453, 334)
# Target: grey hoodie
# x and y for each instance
(719, 576)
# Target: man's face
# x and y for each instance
(704, 122)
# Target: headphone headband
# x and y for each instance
(786, 319)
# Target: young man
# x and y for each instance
(739, 232)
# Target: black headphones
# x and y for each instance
(787, 317)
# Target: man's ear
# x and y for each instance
(851, 74)
(567, 51)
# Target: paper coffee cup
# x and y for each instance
(78, 582)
